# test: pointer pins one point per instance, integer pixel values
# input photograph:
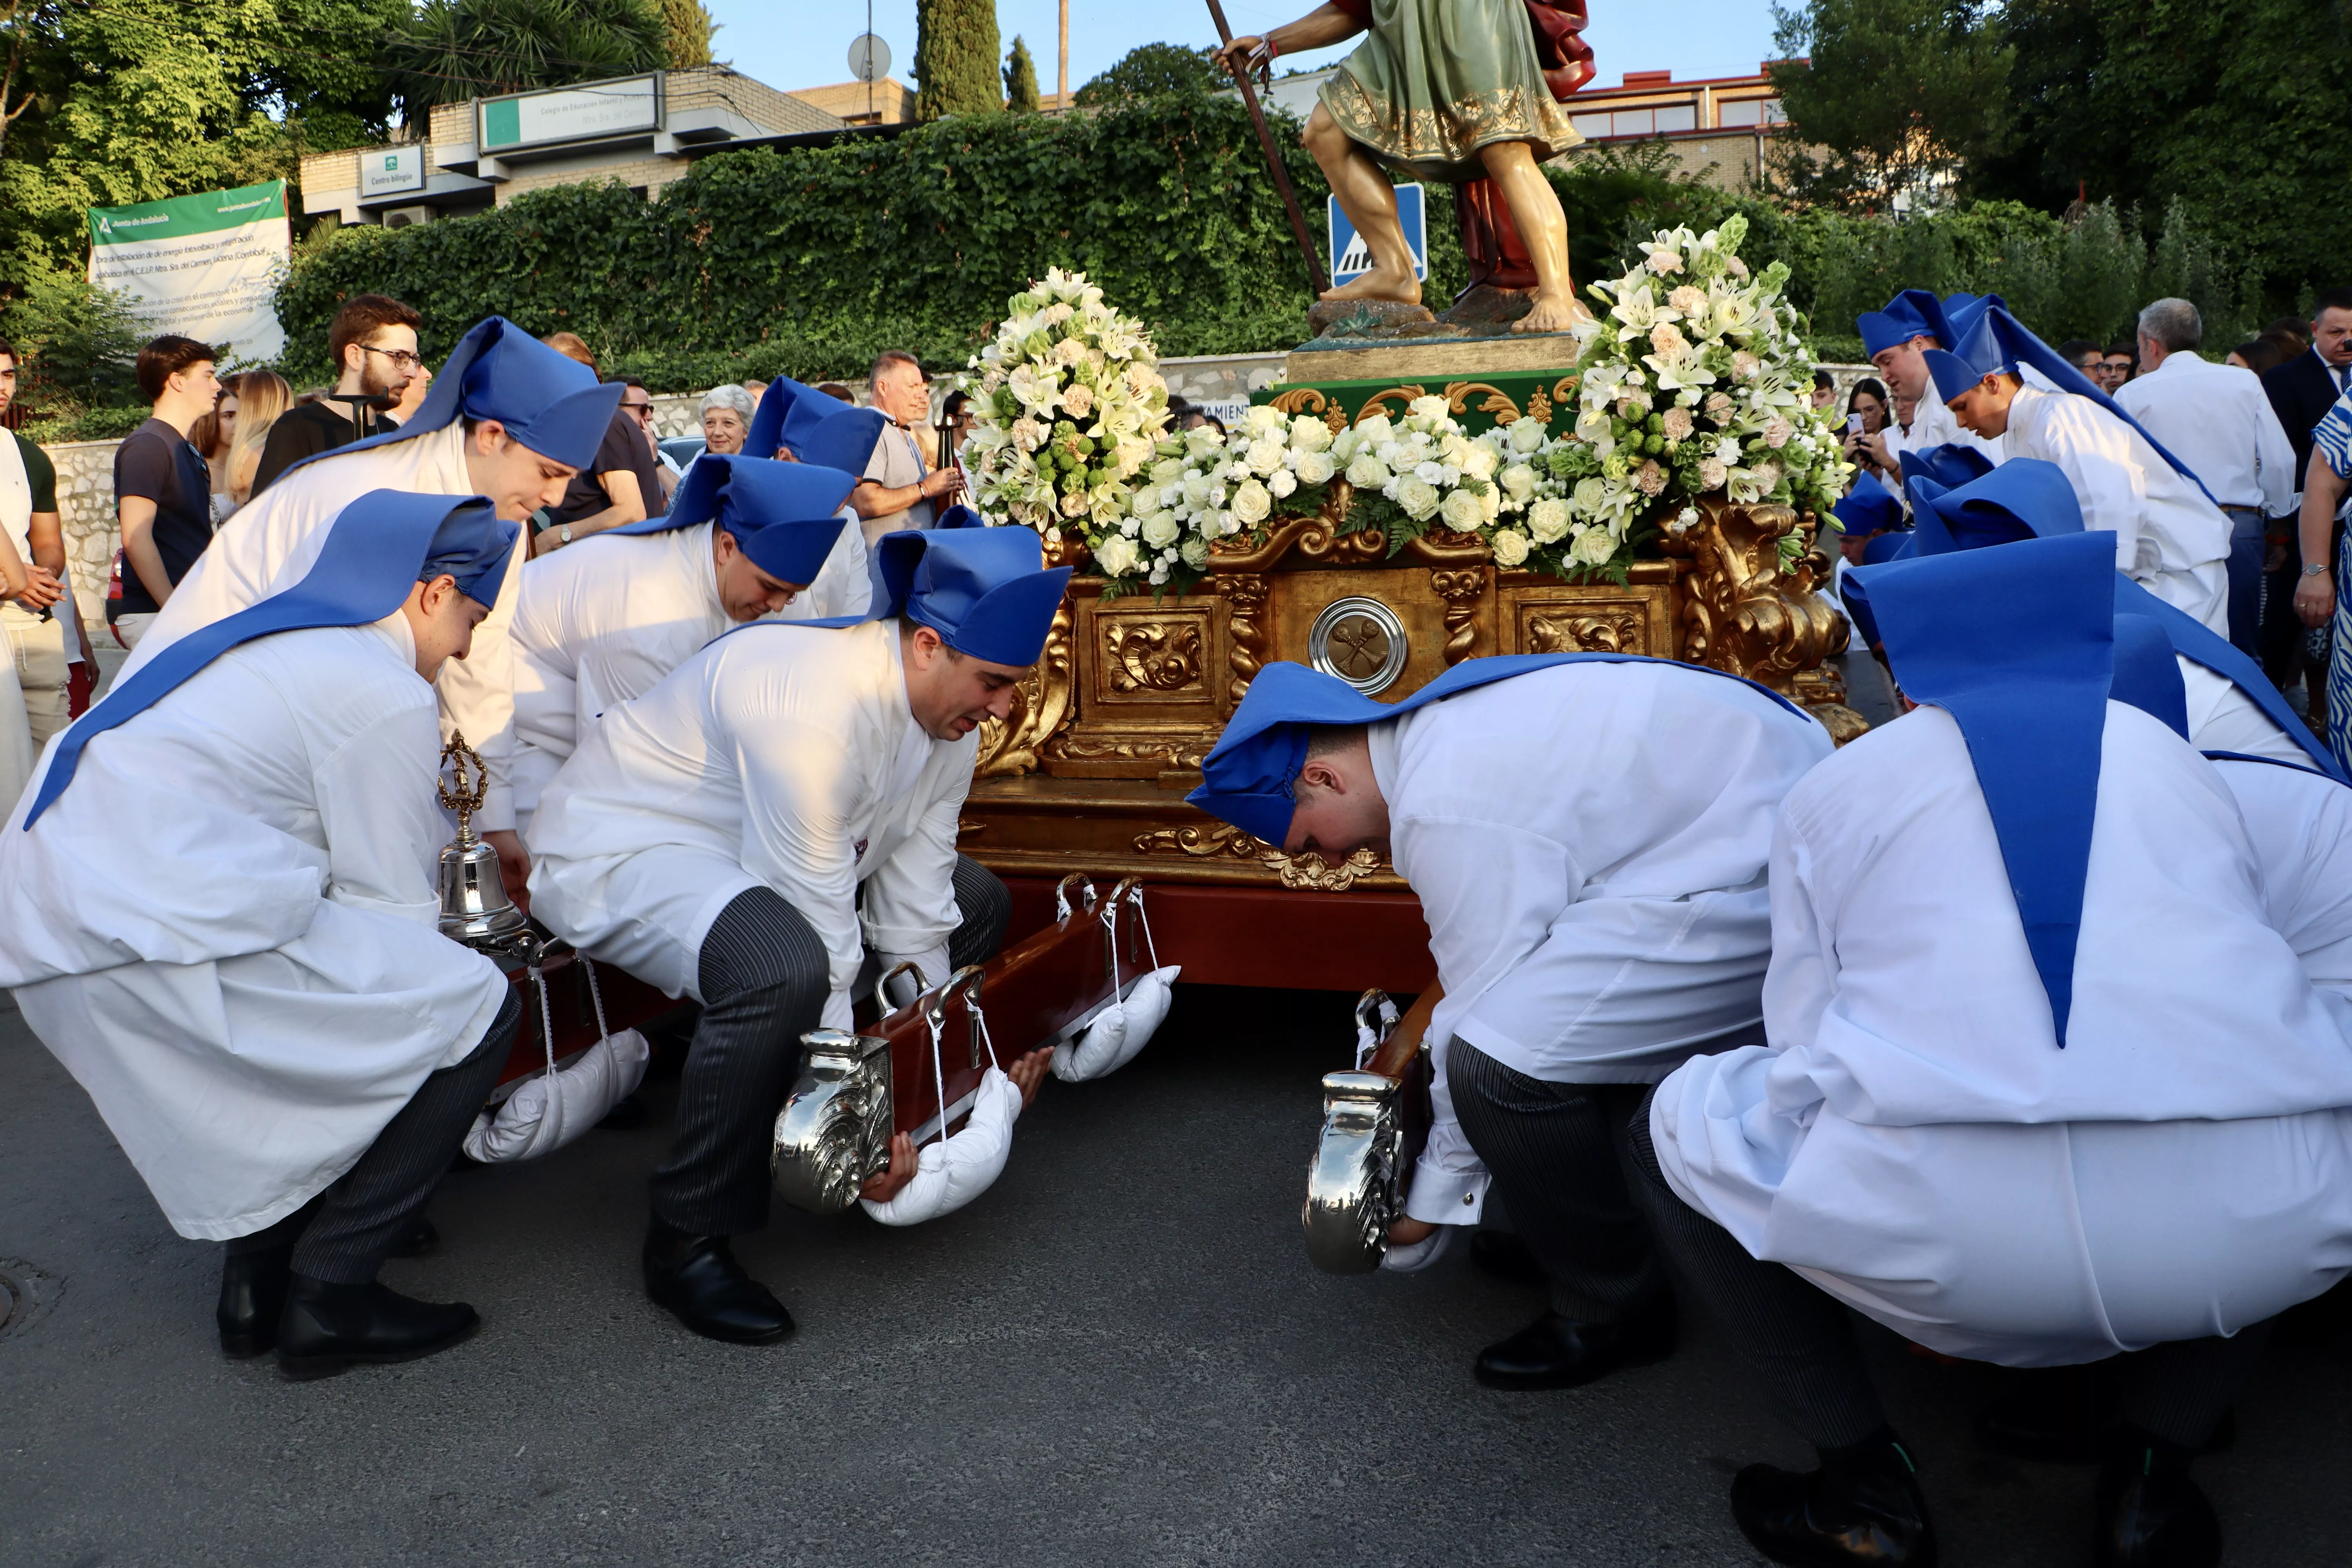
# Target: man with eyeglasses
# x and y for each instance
(374, 342)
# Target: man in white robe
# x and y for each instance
(2044, 1083)
(2169, 536)
(2231, 705)
(745, 832)
(1587, 835)
(509, 419)
(601, 622)
(217, 910)
(1894, 341)
(2300, 824)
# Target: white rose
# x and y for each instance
(1375, 430)
(1462, 511)
(1196, 553)
(1309, 434)
(1202, 441)
(1346, 445)
(1418, 497)
(1252, 503)
(1283, 483)
(1266, 419)
(1510, 547)
(1159, 531)
(1593, 546)
(1525, 435)
(1314, 468)
(1266, 456)
(1168, 471)
(1431, 408)
(1518, 483)
(1481, 461)
(1591, 494)
(1548, 521)
(1368, 472)
(1117, 556)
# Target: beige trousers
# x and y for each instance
(37, 649)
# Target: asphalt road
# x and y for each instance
(1117, 1355)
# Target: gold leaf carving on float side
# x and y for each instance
(1298, 400)
(1498, 401)
(1377, 403)
(1539, 408)
(1245, 593)
(1041, 702)
(1177, 751)
(1742, 611)
(1305, 873)
(1460, 589)
(1604, 631)
(1150, 656)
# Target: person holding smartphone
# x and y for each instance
(1867, 410)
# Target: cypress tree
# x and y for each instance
(955, 58)
(1021, 79)
(686, 32)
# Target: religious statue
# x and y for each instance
(1461, 90)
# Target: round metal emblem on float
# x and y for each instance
(1361, 641)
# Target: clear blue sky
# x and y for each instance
(805, 43)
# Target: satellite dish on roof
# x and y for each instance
(869, 58)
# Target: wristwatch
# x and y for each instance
(563, 534)
(2315, 570)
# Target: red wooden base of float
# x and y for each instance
(1274, 938)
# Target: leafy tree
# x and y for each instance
(688, 27)
(450, 50)
(1897, 97)
(955, 58)
(2236, 111)
(78, 342)
(1149, 70)
(1021, 79)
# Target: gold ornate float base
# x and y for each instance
(1108, 731)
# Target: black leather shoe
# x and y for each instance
(1557, 1351)
(328, 1328)
(1503, 1255)
(420, 1239)
(2152, 1514)
(699, 1281)
(1866, 1515)
(252, 1299)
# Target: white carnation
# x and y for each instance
(1431, 474)
(1283, 483)
(1196, 553)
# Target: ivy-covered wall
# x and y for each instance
(809, 261)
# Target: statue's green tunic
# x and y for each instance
(1436, 80)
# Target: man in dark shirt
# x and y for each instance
(373, 342)
(623, 485)
(162, 488)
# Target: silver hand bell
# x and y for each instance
(474, 909)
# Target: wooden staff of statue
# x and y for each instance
(1443, 89)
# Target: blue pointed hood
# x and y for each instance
(785, 516)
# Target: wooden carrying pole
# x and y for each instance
(1273, 160)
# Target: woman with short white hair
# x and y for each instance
(726, 413)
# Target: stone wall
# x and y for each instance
(86, 505)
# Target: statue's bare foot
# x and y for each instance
(1379, 283)
(1552, 313)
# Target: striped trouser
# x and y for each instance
(2339, 659)
(1555, 1150)
(344, 1234)
(1798, 1340)
(764, 976)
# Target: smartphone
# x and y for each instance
(1853, 424)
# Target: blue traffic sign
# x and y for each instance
(1351, 258)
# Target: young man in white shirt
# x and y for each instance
(747, 831)
(2218, 420)
(1894, 339)
(217, 911)
(1587, 835)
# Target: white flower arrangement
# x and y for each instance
(1070, 406)
(1694, 382)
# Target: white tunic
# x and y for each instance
(2223, 718)
(2169, 539)
(1915, 1142)
(2300, 824)
(778, 756)
(224, 928)
(2217, 419)
(1588, 844)
(1932, 424)
(272, 541)
(602, 621)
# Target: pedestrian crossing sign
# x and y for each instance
(1351, 258)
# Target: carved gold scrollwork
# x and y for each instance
(1308, 872)
(1498, 401)
(1564, 389)
(1246, 593)
(1327, 537)
(1741, 610)
(1376, 404)
(1606, 631)
(1152, 657)
(1299, 400)
(1460, 589)
(1041, 702)
(1176, 751)
(1539, 407)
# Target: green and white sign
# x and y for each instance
(203, 266)
(389, 171)
(569, 114)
